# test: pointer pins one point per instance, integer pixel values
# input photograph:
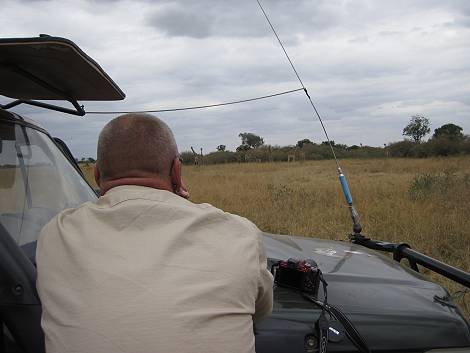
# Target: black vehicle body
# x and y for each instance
(394, 308)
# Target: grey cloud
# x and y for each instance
(359, 39)
(180, 22)
(389, 33)
(463, 21)
(202, 19)
(206, 18)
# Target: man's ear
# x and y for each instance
(96, 172)
(176, 179)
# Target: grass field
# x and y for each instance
(423, 202)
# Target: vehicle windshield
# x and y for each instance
(36, 182)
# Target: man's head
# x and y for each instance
(138, 149)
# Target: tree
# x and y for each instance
(301, 143)
(417, 128)
(450, 131)
(221, 148)
(250, 140)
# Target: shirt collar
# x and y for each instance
(128, 192)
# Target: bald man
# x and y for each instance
(143, 269)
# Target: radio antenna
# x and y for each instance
(342, 178)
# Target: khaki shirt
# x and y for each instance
(143, 270)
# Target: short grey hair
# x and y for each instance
(134, 145)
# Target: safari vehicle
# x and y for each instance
(394, 308)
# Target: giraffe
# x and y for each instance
(198, 158)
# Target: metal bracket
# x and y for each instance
(79, 111)
(404, 251)
(397, 251)
(78, 108)
(398, 255)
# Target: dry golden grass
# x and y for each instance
(306, 199)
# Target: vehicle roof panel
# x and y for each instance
(29, 67)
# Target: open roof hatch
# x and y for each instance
(52, 68)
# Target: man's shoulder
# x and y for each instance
(234, 219)
(68, 212)
(144, 195)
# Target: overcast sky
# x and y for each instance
(368, 65)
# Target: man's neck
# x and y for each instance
(139, 181)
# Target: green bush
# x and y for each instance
(444, 146)
(426, 185)
(220, 157)
(401, 149)
(187, 157)
(423, 185)
(438, 146)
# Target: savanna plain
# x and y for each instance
(423, 202)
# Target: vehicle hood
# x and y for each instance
(393, 307)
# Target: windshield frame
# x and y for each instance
(12, 118)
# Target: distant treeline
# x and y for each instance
(441, 146)
(447, 140)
